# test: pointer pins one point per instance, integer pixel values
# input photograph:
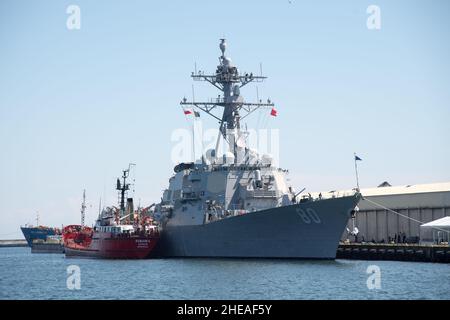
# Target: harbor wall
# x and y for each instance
(13, 243)
(394, 252)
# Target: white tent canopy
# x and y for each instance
(437, 231)
(443, 222)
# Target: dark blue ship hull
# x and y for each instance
(31, 233)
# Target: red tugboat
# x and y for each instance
(119, 233)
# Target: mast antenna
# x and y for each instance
(83, 208)
(229, 80)
(123, 188)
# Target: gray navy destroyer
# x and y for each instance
(239, 204)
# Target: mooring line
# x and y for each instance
(402, 215)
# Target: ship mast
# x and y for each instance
(228, 80)
(123, 188)
(83, 208)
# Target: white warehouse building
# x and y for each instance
(415, 205)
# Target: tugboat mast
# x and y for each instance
(123, 188)
(228, 80)
(83, 208)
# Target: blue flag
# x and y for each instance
(357, 158)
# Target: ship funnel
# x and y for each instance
(130, 207)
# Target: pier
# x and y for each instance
(394, 252)
(13, 243)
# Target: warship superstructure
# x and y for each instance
(239, 204)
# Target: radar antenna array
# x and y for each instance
(228, 79)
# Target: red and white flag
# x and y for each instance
(274, 112)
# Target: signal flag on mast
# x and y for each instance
(356, 169)
(274, 112)
(187, 111)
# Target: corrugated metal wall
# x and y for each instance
(379, 224)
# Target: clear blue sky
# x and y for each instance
(77, 106)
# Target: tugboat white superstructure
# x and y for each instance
(239, 204)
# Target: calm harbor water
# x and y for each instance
(44, 276)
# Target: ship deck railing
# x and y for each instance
(327, 195)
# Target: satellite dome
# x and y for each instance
(266, 159)
(252, 156)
